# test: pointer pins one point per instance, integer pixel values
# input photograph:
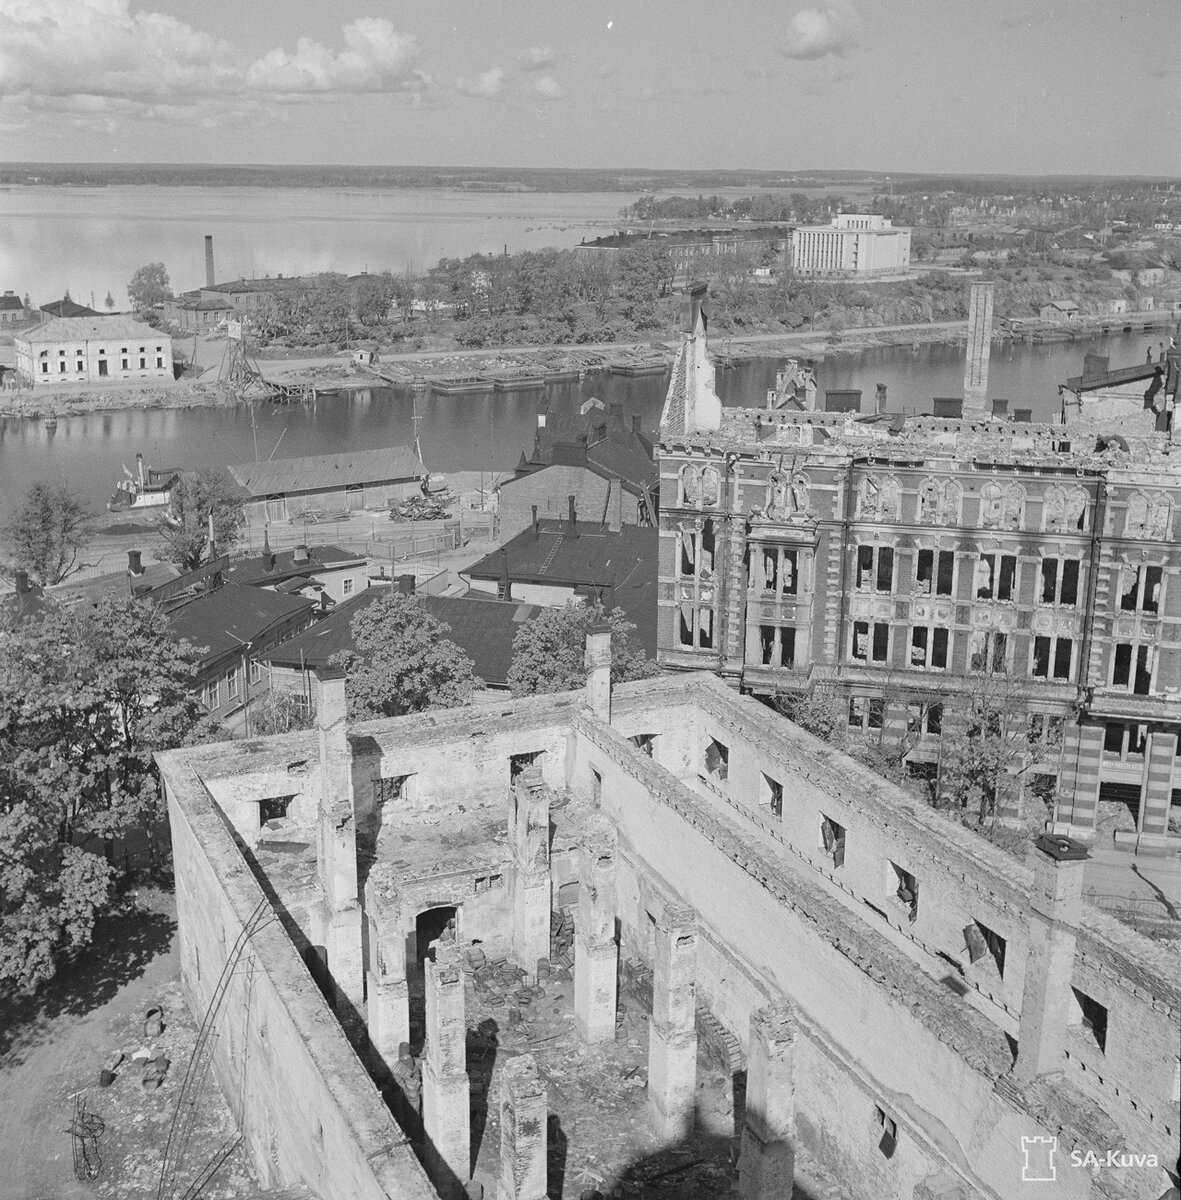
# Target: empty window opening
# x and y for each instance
(717, 759)
(866, 712)
(273, 808)
(985, 945)
(905, 889)
(1090, 1016)
(887, 1129)
(1125, 740)
(996, 576)
(935, 572)
(392, 789)
(928, 648)
(832, 840)
(875, 568)
(1133, 668)
(988, 650)
(922, 717)
(1140, 590)
(777, 646)
(518, 764)
(771, 795)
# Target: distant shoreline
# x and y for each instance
(339, 375)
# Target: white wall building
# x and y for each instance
(94, 349)
(854, 244)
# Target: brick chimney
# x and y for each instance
(572, 521)
(135, 564)
(301, 554)
(597, 661)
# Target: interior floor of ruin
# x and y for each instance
(598, 1136)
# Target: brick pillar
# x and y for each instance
(336, 842)
(1082, 758)
(766, 1163)
(529, 841)
(978, 351)
(523, 1114)
(387, 999)
(1055, 908)
(597, 661)
(446, 1093)
(672, 1032)
(596, 953)
(1159, 758)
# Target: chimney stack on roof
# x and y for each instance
(301, 554)
(615, 408)
(135, 564)
(535, 528)
(572, 518)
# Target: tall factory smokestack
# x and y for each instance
(209, 280)
(979, 349)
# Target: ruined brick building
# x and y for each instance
(899, 559)
(905, 1008)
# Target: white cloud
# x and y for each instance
(487, 85)
(548, 88)
(536, 58)
(819, 32)
(98, 58)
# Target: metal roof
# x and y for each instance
(93, 329)
(322, 472)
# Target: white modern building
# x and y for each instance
(854, 244)
(92, 349)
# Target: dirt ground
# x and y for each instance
(53, 1045)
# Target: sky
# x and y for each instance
(966, 86)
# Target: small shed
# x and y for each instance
(1061, 312)
(366, 356)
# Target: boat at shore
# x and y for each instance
(146, 487)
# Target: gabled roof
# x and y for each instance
(225, 619)
(324, 471)
(67, 308)
(10, 300)
(254, 570)
(482, 627)
(93, 328)
(618, 568)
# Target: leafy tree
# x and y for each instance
(87, 696)
(48, 532)
(548, 652)
(278, 712)
(149, 286)
(197, 496)
(645, 273)
(403, 662)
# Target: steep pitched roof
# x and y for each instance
(254, 570)
(10, 300)
(618, 568)
(672, 418)
(482, 627)
(224, 619)
(323, 471)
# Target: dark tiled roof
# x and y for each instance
(117, 582)
(321, 472)
(482, 627)
(254, 570)
(223, 619)
(618, 568)
(67, 308)
(11, 302)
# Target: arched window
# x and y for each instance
(1002, 506)
(879, 498)
(939, 502)
(1065, 510)
(711, 486)
(1148, 516)
(690, 486)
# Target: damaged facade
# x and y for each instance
(872, 966)
(898, 559)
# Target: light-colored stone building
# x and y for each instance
(907, 1010)
(854, 244)
(93, 349)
